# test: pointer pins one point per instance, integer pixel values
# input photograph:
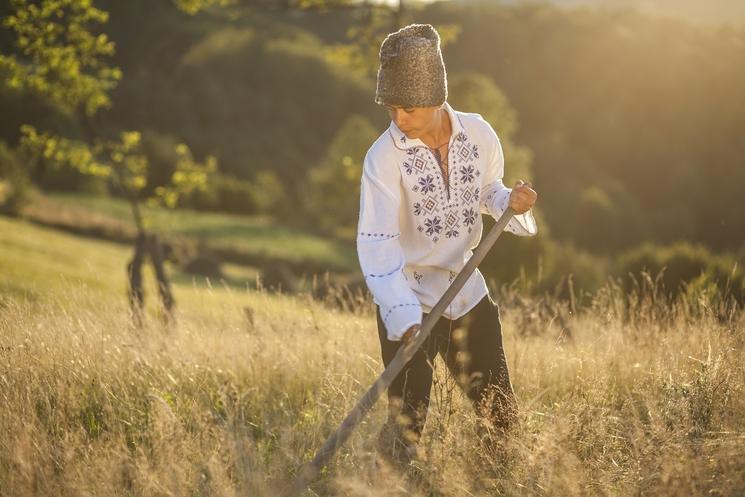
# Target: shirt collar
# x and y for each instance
(401, 141)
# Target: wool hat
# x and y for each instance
(412, 72)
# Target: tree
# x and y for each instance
(60, 59)
(123, 162)
(333, 187)
(373, 23)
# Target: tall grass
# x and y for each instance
(642, 397)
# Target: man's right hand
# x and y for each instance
(410, 333)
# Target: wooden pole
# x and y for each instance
(310, 470)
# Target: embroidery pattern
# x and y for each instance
(467, 173)
(381, 275)
(457, 213)
(418, 277)
(469, 216)
(426, 184)
(379, 236)
(433, 225)
(396, 307)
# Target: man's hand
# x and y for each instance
(522, 197)
(410, 333)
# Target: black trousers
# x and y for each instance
(471, 347)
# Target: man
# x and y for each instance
(425, 182)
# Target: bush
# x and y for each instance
(680, 266)
(265, 194)
(563, 261)
(332, 196)
(61, 178)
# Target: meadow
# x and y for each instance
(642, 397)
(245, 240)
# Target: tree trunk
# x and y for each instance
(134, 275)
(164, 287)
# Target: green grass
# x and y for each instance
(259, 237)
(38, 262)
(247, 385)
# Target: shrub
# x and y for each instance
(682, 265)
(333, 187)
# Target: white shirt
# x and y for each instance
(415, 233)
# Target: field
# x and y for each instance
(239, 239)
(642, 398)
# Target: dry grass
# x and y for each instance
(645, 398)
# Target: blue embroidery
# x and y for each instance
(381, 275)
(427, 184)
(380, 236)
(467, 173)
(395, 307)
(469, 216)
(433, 225)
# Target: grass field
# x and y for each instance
(644, 398)
(251, 238)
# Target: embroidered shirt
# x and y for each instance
(416, 232)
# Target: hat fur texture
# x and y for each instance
(412, 72)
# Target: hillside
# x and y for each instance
(247, 240)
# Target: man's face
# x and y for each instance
(412, 121)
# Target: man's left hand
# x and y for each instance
(522, 197)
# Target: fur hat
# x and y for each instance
(412, 72)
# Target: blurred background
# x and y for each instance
(236, 130)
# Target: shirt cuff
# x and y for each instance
(401, 317)
(521, 224)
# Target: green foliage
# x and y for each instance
(58, 56)
(257, 99)
(596, 220)
(333, 186)
(562, 261)
(359, 52)
(193, 7)
(60, 151)
(618, 112)
(607, 123)
(270, 196)
(122, 161)
(682, 267)
(188, 176)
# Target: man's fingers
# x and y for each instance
(410, 333)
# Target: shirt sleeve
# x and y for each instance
(495, 196)
(379, 250)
